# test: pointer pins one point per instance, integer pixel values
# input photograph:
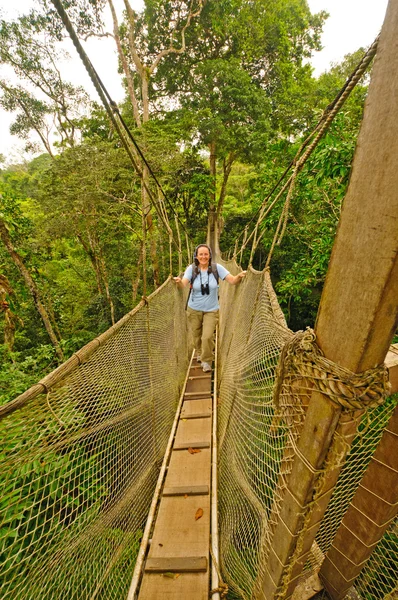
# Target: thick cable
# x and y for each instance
(109, 106)
(324, 123)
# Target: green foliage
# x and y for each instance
(241, 85)
(49, 498)
(303, 259)
(229, 108)
(75, 215)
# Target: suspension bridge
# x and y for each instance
(127, 473)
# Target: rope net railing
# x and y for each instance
(258, 442)
(80, 461)
(81, 453)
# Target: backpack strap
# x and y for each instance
(195, 273)
(215, 271)
(212, 269)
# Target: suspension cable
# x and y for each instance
(115, 109)
(111, 108)
(299, 160)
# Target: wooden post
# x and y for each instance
(372, 509)
(357, 315)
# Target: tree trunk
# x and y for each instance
(9, 318)
(146, 207)
(106, 284)
(31, 286)
(227, 166)
(212, 226)
(94, 252)
(137, 279)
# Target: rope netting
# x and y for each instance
(80, 461)
(82, 452)
(379, 577)
(258, 441)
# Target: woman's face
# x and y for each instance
(203, 256)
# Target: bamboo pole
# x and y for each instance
(357, 315)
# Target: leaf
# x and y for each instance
(199, 514)
(171, 575)
(193, 450)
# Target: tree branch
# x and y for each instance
(171, 49)
(125, 66)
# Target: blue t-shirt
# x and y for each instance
(205, 303)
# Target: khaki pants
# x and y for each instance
(202, 326)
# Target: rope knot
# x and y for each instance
(307, 340)
(222, 589)
(301, 358)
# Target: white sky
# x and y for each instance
(352, 24)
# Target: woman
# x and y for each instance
(202, 310)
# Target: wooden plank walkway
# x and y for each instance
(177, 565)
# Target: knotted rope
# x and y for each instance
(302, 357)
(222, 588)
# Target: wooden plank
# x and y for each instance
(189, 469)
(177, 533)
(204, 405)
(195, 398)
(195, 370)
(198, 394)
(200, 384)
(189, 490)
(157, 586)
(193, 445)
(191, 431)
(177, 564)
(180, 540)
(198, 415)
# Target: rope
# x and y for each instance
(302, 357)
(283, 218)
(111, 108)
(334, 459)
(222, 587)
(322, 126)
(52, 412)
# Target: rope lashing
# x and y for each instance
(302, 357)
(222, 588)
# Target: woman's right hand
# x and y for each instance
(177, 279)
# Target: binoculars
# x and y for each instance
(204, 287)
